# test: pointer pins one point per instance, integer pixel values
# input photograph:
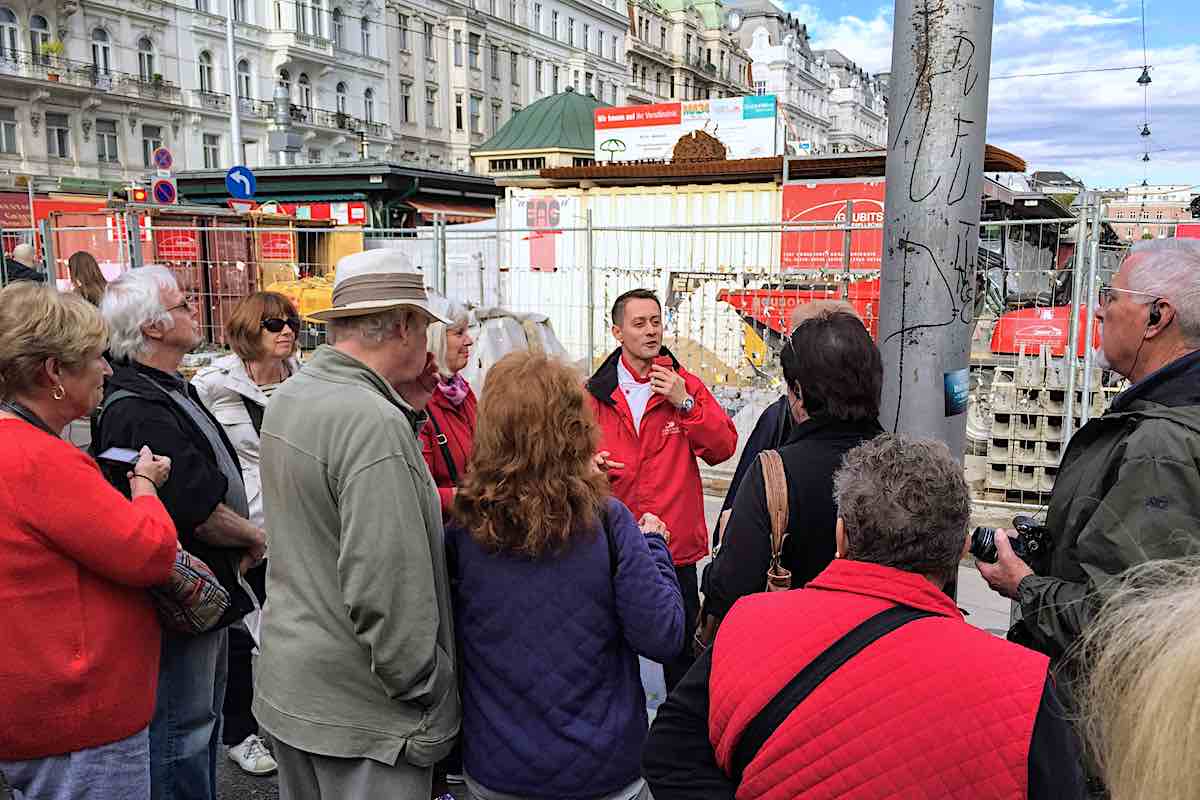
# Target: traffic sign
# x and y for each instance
(163, 159)
(164, 192)
(240, 182)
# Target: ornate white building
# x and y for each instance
(857, 105)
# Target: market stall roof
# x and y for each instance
(451, 212)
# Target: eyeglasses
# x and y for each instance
(1106, 294)
(185, 305)
(275, 324)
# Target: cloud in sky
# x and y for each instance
(1084, 124)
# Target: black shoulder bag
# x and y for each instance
(442, 442)
(780, 707)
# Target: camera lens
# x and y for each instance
(983, 545)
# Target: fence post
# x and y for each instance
(588, 253)
(133, 234)
(847, 234)
(1085, 412)
(48, 257)
(1070, 358)
(439, 230)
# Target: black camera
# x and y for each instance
(1031, 544)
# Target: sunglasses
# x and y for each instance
(276, 324)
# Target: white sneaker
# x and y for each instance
(252, 756)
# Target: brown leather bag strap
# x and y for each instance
(775, 484)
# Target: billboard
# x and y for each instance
(747, 126)
(537, 238)
(825, 201)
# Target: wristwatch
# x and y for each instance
(688, 404)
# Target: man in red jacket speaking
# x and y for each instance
(655, 419)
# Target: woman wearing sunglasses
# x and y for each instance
(262, 331)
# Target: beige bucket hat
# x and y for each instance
(378, 280)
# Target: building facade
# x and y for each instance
(682, 50)
(783, 64)
(1151, 211)
(857, 105)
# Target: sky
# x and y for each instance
(1086, 125)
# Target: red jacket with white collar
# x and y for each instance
(660, 475)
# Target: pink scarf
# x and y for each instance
(455, 390)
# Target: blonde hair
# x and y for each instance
(39, 323)
(1140, 698)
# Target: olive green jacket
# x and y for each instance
(1128, 492)
(357, 650)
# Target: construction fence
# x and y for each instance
(728, 292)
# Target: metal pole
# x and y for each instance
(591, 293)
(1070, 357)
(941, 60)
(133, 232)
(3, 262)
(235, 122)
(1089, 355)
(48, 256)
(846, 237)
(439, 221)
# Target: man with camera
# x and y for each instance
(1128, 490)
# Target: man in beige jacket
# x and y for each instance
(355, 679)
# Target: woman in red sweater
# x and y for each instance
(79, 654)
(447, 440)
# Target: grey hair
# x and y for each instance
(369, 328)
(904, 504)
(132, 301)
(1140, 662)
(1170, 269)
(435, 334)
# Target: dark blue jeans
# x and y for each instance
(185, 732)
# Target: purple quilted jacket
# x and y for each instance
(553, 705)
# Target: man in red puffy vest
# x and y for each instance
(656, 418)
(868, 683)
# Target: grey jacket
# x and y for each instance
(1128, 492)
(357, 653)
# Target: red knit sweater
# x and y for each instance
(458, 426)
(79, 650)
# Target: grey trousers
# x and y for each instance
(308, 776)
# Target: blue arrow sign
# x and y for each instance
(164, 192)
(240, 182)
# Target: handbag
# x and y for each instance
(779, 578)
(192, 601)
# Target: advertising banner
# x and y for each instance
(546, 248)
(825, 202)
(177, 244)
(747, 127)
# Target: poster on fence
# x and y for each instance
(745, 125)
(825, 201)
(539, 242)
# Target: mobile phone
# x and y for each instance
(120, 455)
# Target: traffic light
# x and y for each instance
(137, 194)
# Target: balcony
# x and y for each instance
(84, 75)
(213, 101)
(336, 120)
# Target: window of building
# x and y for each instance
(672, 86)
(302, 16)
(760, 88)
(512, 11)
(239, 11)
(495, 117)
(537, 75)
(496, 61)
(429, 52)
(587, 83)
(339, 28)
(554, 25)
(587, 36)
(39, 35)
(635, 74)
(658, 84)
(514, 67)
(554, 81)
(58, 136)
(244, 81)
(106, 141)
(305, 91)
(202, 5)
(8, 34)
(406, 102)
(688, 50)
(318, 14)
(369, 105)
(612, 91)
(458, 61)
(278, 15)
(8, 130)
(315, 155)
(206, 72)
(582, 161)
(101, 52)
(662, 38)
(575, 80)
(151, 141)
(212, 151)
(613, 42)
(340, 98)
(458, 112)
(403, 32)
(473, 50)
(537, 17)
(430, 107)
(571, 31)
(366, 36)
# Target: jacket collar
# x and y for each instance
(818, 428)
(329, 363)
(1176, 384)
(604, 382)
(134, 376)
(885, 583)
(237, 379)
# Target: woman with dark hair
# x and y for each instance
(556, 593)
(262, 333)
(86, 277)
(834, 377)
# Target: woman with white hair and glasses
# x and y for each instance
(447, 441)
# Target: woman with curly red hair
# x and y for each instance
(557, 593)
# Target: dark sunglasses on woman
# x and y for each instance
(275, 324)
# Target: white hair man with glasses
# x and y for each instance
(1129, 487)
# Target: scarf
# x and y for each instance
(455, 390)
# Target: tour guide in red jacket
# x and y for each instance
(655, 419)
(935, 708)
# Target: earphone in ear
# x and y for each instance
(1155, 314)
